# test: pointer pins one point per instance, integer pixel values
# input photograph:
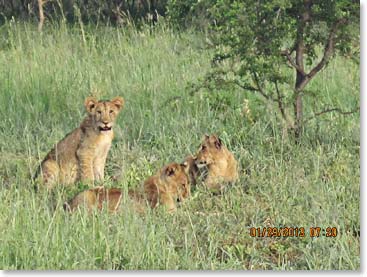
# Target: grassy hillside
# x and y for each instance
(44, 79)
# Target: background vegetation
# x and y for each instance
(44, 79)
(117, 12)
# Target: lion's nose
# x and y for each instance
(105, 122)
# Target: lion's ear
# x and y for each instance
(90, 104)
(118, 102)
(205, 137)
(169, 171)
(216, 141)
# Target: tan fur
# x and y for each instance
(99, 197)
(96, 198)
(81, 155)
(169, 186)
(219, 162)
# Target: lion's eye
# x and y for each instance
(203, 148)
(99, 112)
(111, 111)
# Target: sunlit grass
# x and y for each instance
(44, 79)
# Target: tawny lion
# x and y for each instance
(218, 161)
(99, 197)
(81, 155)
(168, 186)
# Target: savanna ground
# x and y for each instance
(44, 79)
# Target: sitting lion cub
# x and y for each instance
(82, 154)
(168, 186)
(219, 162)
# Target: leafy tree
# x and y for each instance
(189, 13)
(260, 43)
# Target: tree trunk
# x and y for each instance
(301, 77)
(298, 111)
(41, 15)
(298, 106)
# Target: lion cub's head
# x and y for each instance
(103, 112)
(170, 186)
(174, 177)
(210, 151)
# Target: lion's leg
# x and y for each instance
(100, 162)
(86, 170)
(99, 165)
(214, 184)
(167, 201)
(85, 160)
(86, 199)
(69, 172)
(50, 173)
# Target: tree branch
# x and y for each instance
(329, 48)
(253, 89)
(245, 87)
(291, 61)
(305, 17)
(281, 106)
(277, 100)
(338, 110)
(259, 88)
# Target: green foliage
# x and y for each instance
(252, 34)
(255, 33)
(190, 13)
(274, 48)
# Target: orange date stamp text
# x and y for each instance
(299, 232)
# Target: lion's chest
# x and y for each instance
(219, 168)
(102, 145)
(94, 146)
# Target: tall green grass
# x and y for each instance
(44, 79)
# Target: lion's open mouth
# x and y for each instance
(201, 164)
(104, 129)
